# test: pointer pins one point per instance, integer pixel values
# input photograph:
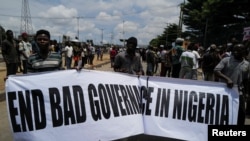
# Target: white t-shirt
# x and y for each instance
(197, 57)
(69, 51)
(187, 59)
(25, 48)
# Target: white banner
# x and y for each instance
(97, 105)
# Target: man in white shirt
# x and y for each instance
(68, 55)
(187, 62)
(25, 49)
(196, 62)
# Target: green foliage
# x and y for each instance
(167, 37)
(2, 34)
(215, 21)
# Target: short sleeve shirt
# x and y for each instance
(234, 69)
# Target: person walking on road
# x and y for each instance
(176, 52)
(10, 54)
(68, 54)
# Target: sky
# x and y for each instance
(103, 21)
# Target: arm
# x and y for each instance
(229, 82)
(217, 71)
(5, 51)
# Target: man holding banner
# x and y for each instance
(235, 70)
(44, 60)
(129, 61)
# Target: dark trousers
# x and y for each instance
(11, 68)
(24, 62)
(91, 58)
(242, 111)
(176, 70)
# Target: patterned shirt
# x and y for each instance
(38, 64)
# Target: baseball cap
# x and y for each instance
(132, 40)
(24, 34)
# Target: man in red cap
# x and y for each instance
(25, 50)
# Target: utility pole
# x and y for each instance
(26, 25)
(180, 19)
(102, 37)
(111, 38)
(78, 19)
(123, 33)
(78, 27)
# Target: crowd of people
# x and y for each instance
(17, 53)
(227, 63)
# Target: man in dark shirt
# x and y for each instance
(10, 53)
(235, 71)
(129, 61)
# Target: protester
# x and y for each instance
(166, 61)
(187, 60)
(10, 54)
(235, 71)
(99, 53)
(76, 52)
(176, 52)
(68, 54)
(84, 55)
(210, 59)
(129, 61)
(151, 60)
(163, 61)
(19, 63)
(25, 49)
(196, 62)
(91, 49)
(112, 54)
(157, 52)
(44, 60)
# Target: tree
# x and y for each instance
(167, 37)
(215, 21)
(2, 34)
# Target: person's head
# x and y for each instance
(179, 41)
(190, 46)
(131, 45)
(9, 34)
(150, 47)
(212, 48)
(24, 36)
(43, 39)
(239, 51)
